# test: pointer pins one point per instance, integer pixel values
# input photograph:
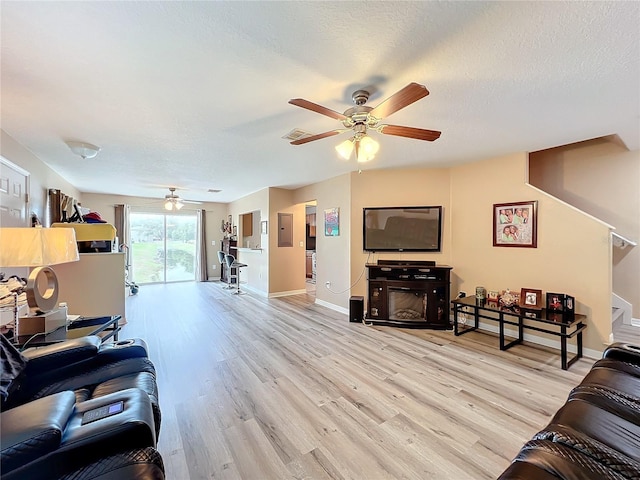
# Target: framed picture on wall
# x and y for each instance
(332, 222)
(515, 224)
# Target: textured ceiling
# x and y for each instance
(194, 94)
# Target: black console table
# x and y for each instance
(565, 326)
(412, 294)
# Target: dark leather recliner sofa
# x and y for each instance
(50, 438)
(596, 434)
(46, 394)
(84, 365)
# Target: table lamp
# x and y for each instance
(39, 247)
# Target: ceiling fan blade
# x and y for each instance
(410, 132)
(409, 94)
(314, 107)
(319, 136)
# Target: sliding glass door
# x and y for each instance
(163, 247)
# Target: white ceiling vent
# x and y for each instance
(296, 134)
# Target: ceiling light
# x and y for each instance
(345, 148)
(84, 150)
(173, 204)
(367, 149)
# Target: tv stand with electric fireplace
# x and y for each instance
(410, 294)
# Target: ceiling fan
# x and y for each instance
(362, 118)
(174, 202)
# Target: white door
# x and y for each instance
(14, 208)
(14, 195)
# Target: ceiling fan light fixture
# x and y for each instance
(83, 149)
(368, 149)
(345, 149)
(171, 204)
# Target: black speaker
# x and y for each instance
(356, 309)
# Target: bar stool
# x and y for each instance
(231, 263)
(223, 262)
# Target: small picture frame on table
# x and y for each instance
(555, 302)
(492, 304)
(493, 296)
(531, 299)
(569, 305)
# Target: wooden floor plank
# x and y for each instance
(258, 389)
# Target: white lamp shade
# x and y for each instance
(35, 247)
(173, 204)
(368, 149)
(345, 148)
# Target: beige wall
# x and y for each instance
(42, 177)
(610, 192)
(333, 254)
(405, 187)
(215, 213)
(286, 264)
(573, 254)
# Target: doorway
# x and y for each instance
(163, 247)
(310, 247)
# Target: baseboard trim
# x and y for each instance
(332, 306)
(287, 293)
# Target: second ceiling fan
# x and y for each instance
(172, 201)
(362, 118)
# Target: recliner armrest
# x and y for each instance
(61, 354)
(121, 349)
(34, 429)
(624, 352)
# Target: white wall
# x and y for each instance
(42, 177)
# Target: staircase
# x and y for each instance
(623, 327)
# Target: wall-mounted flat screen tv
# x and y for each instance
(402, 229)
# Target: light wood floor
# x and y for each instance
(260, 389)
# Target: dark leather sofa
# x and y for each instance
(85, 366)
(48, 439)
(46, 394)
(596, 434)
